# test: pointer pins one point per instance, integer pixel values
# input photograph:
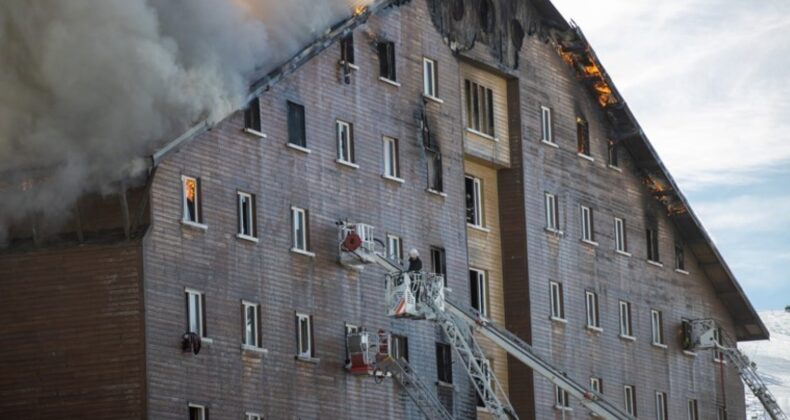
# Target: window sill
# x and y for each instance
(206, 340)
(690, 353)
(587, 157)
(623, 253)
(253, 349)
(434, 192)
(255, 133)
(589, 242)
(555, 232)
(307, 359)
(247, 238)
(194, 225)
(684, 272)
(627, 337)
(720, 361)
(655, 263)
(432, 98)
(299, 148)
(303, 252)
(559, 320)
(388, 81)
(481, 134)
(477, 227)
(659, 345)
(615, 168)
(393, 179)
(594, 329)
(350, 65)
(561, 408)
(347, 163)
(443, 384)
(550, 143)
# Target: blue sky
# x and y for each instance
(709, 82)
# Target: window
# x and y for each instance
(485, 367)
(252, 115)
(394, 248)
(479, 290)
(347, 49)
(661, 406)
(587, 224)
(304, 336)
(613, 158)
(592, 310)
(479, 108)
(387, 60)
(630, 399)
(625, 319)
(245, 204)
(444, 363)
(399, 347)
(721, 412)
(717, 355)
(561, 398)
(300, 226)
(197, 412)
(345, 142)
(582, 136)
(252, 322)
(657, 326)
(552, 212)
(350, 329)
(474, 203)
(619, 235)
(252, 416)
(429, 78)
(596, 385)
(652, 245)
(545, 124)
(557, 301)
(196, 312)
(693, 410)
(435, 176)
(391, 164)
(439, 262)
(680, 257)
(296, 125)
(191, 200)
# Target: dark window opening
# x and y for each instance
(444, 363)
(614, 160)
(652, 244)
(399, 347)
(435, 181)
(347, 49)
(582, 136)
(439, 262)
(296, 125)
(252, 115)
(387, 60)
(680, 257)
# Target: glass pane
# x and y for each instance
(250, 326)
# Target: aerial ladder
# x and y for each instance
(419, 295)
(703, 334)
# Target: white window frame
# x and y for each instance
(477, 197)
(252, 416)
(629, 397)
(394, 248)
(345, 143)
(184, 207)
(661, 405)
(620, 244)
(561, 399)
(545, 125)
(587, 225)
(250, 215)
(595, 384)
(391, 165)
(429, 77)
(481, 279)
(195, 312)
(304, 337)
(295, 228)
(556, 297)
(718, 356)
(591, 306)
(552, 212)
(625, 319)
(200, 407)
(474, 125)
(657, 327)
(255, 339)
(693, 409)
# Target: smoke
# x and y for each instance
(89, 88)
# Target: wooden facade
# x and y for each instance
(124, 299)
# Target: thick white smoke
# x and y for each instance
(88, 88)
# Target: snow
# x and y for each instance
(773, 363)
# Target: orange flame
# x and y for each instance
(359, 10)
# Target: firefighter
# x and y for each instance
(415, 263)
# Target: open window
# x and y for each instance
(245, 207)
(345, 142)
(478, 286)
(474, 201)
(651, 236)
(435, 175)
(444, 363)
(196, 312)
(347, 49)
(439, 262)
(252, 116)
(680, 257)
(613, 157)
(386, 50)
(399, 347)
(429, 77)
(191, 200)
(582, 136)
(198, 412)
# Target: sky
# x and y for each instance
(709, 81)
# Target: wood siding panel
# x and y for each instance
(495, 152)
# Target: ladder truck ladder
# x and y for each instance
(423, 398)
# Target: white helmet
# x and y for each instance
(414, 253)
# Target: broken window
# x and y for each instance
(652, 244)
(680, 257)
(479, 108)
(191, 200)
(545, 124)
(429, 78)
(252, 115)
(557, 300)
(474, 203)
(614, 160)
(478, 287)
(435, 181)
(552, 213)
(252, 323)
(299, 229)
(582, 136)
(619, 235)
(444, 363)
(296, 125)
(387, 60)
(345, 142)
(196, 312)
(246, 211)
(391, 164)
(304, 336)
(399, 347)
(347, 49)
(657, 326)
(439, 262)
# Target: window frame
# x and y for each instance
(651, 236)
(347, 49)
(680, 258)
(256, 325)
(198, 217)
(556, 301)
(480, 116)
(477, 201)
(626, 322)
(629, 397)
(345, 144)
(250, 214)
(546, 129)
(588, 229)
(592, 311)
(435, 171)
(620, 238)
(583, 137)
(297, 125)
(202, 409)
(399, 343)
(305, 226)
(444, 363)
(252, 116)
(596, 384)
(394, 240)
(657, 328)
(551, 207)
(252, 416)
(612, 155)
(391, 169)
(692, 407)
(480, 287)
(430, 78)
(661, 405)
(198, 311)
(561, 399)
(718, 356)
(301, 336)
(387, 60)
(440, 266)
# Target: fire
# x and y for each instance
(359, 10)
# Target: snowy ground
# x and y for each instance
(773, 362)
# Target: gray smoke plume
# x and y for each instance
(88, 88)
